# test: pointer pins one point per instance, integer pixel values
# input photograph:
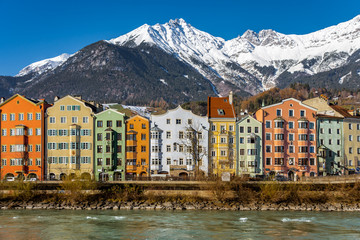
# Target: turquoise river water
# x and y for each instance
(145, 224)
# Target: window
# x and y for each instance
(321, 130)
(181, 135)
(350, 126)
(85, 119)
(252, 152)
(181, 161)
(303, 161)
(241, 129)
(143, 148)
(12, 116)
(131, 126)
(330, 131)
(311, 125)
(181, 148)
(30, 148)
(312, 161)
(338, 131)
(279, 161)
(99, 148)
(267, 124)
(222, 140)
(20, 131)
(231, 128)
(119, 148)
(62, 108)
(350, 138)
(291, 161)
(3, 162)
(178, 121)
(38, 131)
(279, 136)
(62, 119)
(109, 123)
(189, 121)
(168, 121)
(99, 137)
(278, 112)
(279, 148)
(29, 116)
(213, 153)
(168, 148)
(241, 140)
(51, 119)
(213, 127)
(3, 132)
(350, 150)
(338, 142)
(268, 161)
(3, 117)
(38, 116)
(268, 148)
(350, 162)
(168, 134)
(168, 161)
(256, 129)
(302, 137)
(311, 137)
(231, 140)
(143, 136)
(279, 124)
(249, 129)
(312, 149)
(330, 141)
(99, 124)
(74, 119)
(291, 137)
(118, 123)
(21, 117)
(291, 149)
(3, 148)
(52, 132)
(302, 113)
(291, 125)
(291, 113)
(303, 125)
(268, 136)
(303, 149)
(12, 132)
(30, 132)
(222, 153)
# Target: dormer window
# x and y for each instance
(221, 111)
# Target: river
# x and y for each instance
(145, 224)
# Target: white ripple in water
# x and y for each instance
(15, 217)
(94, 218)
(243, 219)
(119, 217)
(296, 220)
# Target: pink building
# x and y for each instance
(289, 139)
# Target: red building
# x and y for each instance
(22, 138)
(289, 139)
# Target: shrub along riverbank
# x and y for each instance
(212, 195)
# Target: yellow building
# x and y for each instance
(69, 138)
(222, 147)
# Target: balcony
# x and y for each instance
(190, 167)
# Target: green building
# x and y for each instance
(249, 147)
(109, 141)
(330, 142)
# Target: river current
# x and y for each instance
(145, 224)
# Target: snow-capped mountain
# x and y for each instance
(181, 60)
(44, 65)
(213, 56)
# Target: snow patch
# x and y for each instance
(163, 81)
(345, 77)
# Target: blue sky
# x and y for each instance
(34, 30)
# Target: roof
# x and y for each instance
(327, 116)
(342, 111)
(178, 108)
(290, 99)
(31, 100)
(220, 107)
(156, 129)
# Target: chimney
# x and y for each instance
(231, 97)
(2, 100)
(56, 98)
(78, 97)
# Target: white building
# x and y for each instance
(179, 143)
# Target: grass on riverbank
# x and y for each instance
(237, 191)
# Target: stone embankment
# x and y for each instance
(105, 205)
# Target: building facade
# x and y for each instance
(110, 129)
(70, 138)
(249, 147)
(137, 147)
(351, 144)
(222, 148)
(179, 144)
(289, 139)
(22, 138)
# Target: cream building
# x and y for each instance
(70, 138)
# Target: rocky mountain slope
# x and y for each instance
(177, 62)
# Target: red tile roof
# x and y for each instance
(219, 107)
(342, 111)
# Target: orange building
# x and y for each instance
(137, 147)
(22, 138)
(289, 139)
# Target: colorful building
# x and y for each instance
(22, 138)
(179, 144)
(70, 138)
(249, 147)
(110, 129)
(222, 149)
(137, 147)
(289, 139)
(330, 136)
